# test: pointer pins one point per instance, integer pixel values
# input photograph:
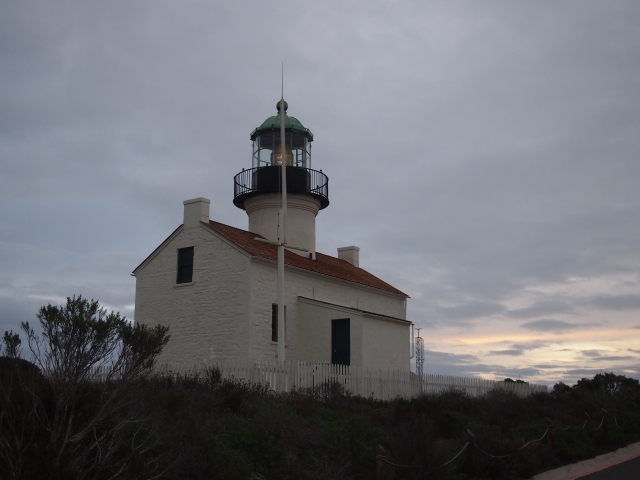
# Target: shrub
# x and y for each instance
(60, 422)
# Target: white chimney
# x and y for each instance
(196, 210)
(350, 254)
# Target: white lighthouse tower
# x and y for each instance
(285, 216)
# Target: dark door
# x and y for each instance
(340, 342)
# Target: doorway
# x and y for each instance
(340, 342)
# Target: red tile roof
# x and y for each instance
(324, 264)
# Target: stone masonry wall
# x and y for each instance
(208, 318)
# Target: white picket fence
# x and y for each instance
(366, 382)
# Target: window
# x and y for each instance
(274, 322)
(185, 265)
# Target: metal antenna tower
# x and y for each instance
(419, 353)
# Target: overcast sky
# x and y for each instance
(483, 156)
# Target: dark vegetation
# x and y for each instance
(58, 422)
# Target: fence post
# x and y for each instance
(382, 464)
(470, 448)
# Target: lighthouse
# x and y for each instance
(258, 190)
(265, 294)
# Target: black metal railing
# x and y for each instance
(259, 180)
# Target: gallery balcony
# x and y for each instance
(267, 179)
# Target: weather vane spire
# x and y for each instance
(282, 240)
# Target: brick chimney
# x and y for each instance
(350, 254)
(196, 210)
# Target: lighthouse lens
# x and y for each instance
(276, 155)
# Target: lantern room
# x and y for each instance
(267, 150)
(264, 177)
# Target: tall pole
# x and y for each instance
(282, 240)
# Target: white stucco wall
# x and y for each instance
(209, 318)
(263, 293)
(302, 210)
(225, 313)
(314, 331)
(386, 344)
(308, 332)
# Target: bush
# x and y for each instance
(199, 425)
(59, 422)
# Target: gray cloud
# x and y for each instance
(616, 302)
(614, 358)
(469, 366)
(529, 345)
(469, 310)
(590, 372)
(512, 353)
(591, 353)
(475, 153)
(547, 366)
(549, 325)
(543, 307)
(583, 372)
(13, 313)
(432, 356)
(518, 373)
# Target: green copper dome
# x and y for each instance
(291, 124)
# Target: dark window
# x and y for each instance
(274, 322)
(185, 265)
(340, 342)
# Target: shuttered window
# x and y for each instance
(274, 322)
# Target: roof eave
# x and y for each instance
(358, 310)
(332, 277)
(262, 130)
(157, 250)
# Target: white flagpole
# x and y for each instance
(282, 234)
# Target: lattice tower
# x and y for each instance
(419, 353)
